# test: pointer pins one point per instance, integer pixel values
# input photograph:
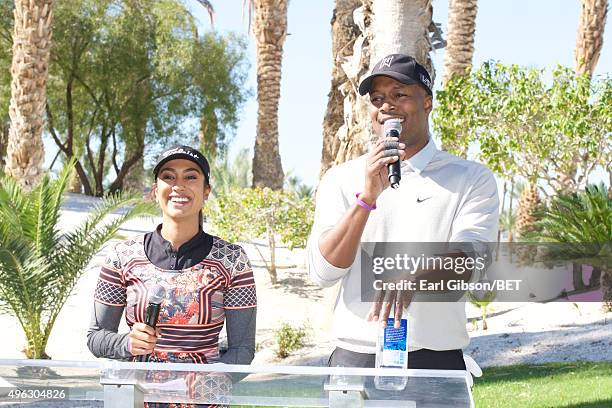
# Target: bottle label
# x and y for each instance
(394, 352)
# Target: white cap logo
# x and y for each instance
(386, 62)
(425, 80)
(181, 150)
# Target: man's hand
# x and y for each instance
(386, 151)
(142, 339)
(385, 299)
(399, 299)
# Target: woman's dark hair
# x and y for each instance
(201, 213)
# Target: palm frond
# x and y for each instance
(24, 274)
(81, 245)
(47, 200)
(13, 203)
(583, 220)
(209, 8)
(38, 266)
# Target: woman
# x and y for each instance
(207, 280)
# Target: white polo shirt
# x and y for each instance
(441, 198)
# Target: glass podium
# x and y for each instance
(115, 384)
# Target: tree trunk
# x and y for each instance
(595, 278)
(74, 183)
(499, 227)
(134, 134)
(128, 162)
(528, 203)
(272, 246)
(270, 30)
(402, 26)
(589, 37)
(577, 276)
(606, 288)
(4, 130)
(344, 33)
(513, 226)
(501, 212)
(459, 51)
(207, 135)
(484, 318)
(135, 179)
(460, 37)
(398, 26)
(29, 72)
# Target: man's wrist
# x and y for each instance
(365, 201)
(367, 198)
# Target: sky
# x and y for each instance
(533, 33)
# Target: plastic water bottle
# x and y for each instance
(392, 352)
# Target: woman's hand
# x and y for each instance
(142, 339)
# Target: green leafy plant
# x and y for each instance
(554, 133)
(482, 301)
(583, 220)
(245, 214)
(289, 339)
(227, 175)
(127, 79)
(583, 217)
(39, 265)
(295, 185)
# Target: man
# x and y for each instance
(441, 198)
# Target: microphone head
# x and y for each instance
(391, 125)
(157, 294)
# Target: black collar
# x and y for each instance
(160, 252)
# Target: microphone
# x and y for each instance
(393, 128)
(156, 296)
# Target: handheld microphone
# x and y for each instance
(393, 128)
(156, 296)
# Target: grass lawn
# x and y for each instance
(578, 384)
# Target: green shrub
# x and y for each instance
(288, 339)
(243, 214)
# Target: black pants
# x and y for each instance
(424, 358)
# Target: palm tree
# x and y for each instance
(589, 38)
(270, 30)
(294, 185)
(39, 265)
(4, 129)
(29, 71)
(584, 220)
(344, 33)
(459, 47)
(460, 37)
(589, 41)
(226, 175)
(389, 26)
(528, 205)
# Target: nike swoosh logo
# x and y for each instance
(419, 200)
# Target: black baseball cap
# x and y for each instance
(183, 152)
(402, 68)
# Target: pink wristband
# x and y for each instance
(363, 204)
